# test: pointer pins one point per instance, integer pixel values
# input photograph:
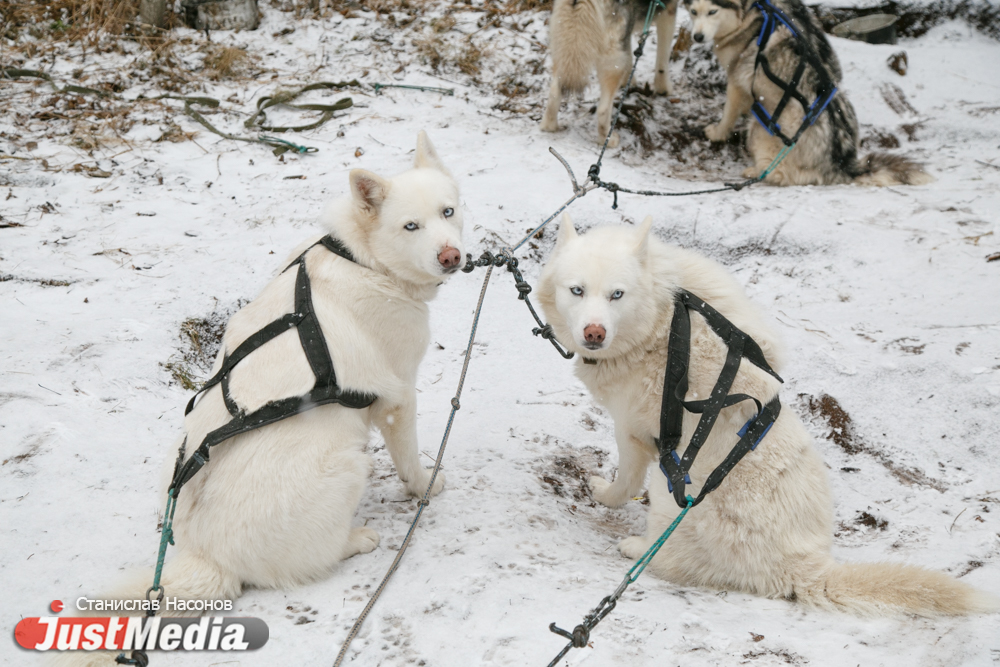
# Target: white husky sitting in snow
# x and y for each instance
(767, 529)
(273, 507)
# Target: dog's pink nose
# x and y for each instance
(594, 333)
(450, 257)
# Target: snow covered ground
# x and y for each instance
(889, 308)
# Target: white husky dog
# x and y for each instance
(273, 507)
(767, 529)
(585, 35)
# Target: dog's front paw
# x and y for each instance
(751, 172)
(549, 124)
(605, 492)
(362, 541)
(633, 547)
(613, 141)
(418, 486)
(661, 84)
(715, 132)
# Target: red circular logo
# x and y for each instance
(56, 606)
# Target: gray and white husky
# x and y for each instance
(827, 152)
(585, 35)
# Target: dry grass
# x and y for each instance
(227, 62)
(68, 20)
(431, 50)
(470, 59)
(443, 24)
(466, 58)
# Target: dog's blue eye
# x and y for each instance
(578, 291)
(617, 294)
(448, 212)
(411, 227)
(713, 12)
(694, 13)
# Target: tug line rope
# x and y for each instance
(425, 501)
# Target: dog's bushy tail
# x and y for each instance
(576, 31)
(186, 576)
(883, 169)
(879, 589)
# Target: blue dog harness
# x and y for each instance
(773, 17)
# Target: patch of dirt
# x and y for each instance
(565, 472)
(911, 130)
(673, 128)
(782, 655)
(44, 282)
(899, 63)
(878, 139)
(969, 567)
(907, 345)
(827, 411)
(862, 521)
(23, 456)
(896, 99)
(201, 338)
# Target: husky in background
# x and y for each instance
(273, 508)
(827, 152)
(585, 35)
(768, 528)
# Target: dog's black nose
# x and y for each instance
(698, 37)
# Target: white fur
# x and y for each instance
(274, 507)
(767, 529)
(589, 35)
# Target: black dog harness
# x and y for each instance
(326, 390)
(675, 386)
(824, 92)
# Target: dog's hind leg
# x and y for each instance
(633, 459)
(398, 424)
(666, 20)
(550, 119)
(611, 75)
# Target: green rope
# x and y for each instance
(641, 564)
(256, 121)
(16, 73)
(649, 15)
(166, 537)
(285, 98)
(775, 162)
(279, 145)
(581, 633)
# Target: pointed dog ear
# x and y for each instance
(427, 157)
(641, 249)
(369, 190)
(567, 232)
